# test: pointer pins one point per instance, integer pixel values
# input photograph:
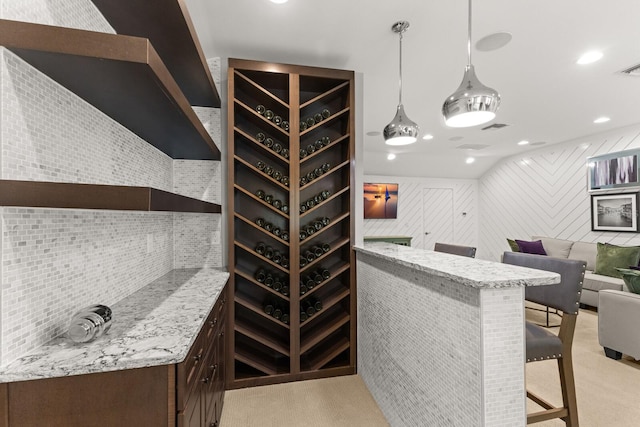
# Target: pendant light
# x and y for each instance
(472, 103)
(401, 130)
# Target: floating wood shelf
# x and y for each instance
(92, 196)
(168, 26)
(122, 76)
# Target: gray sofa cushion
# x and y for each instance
(597, 282)
(586, 252)
(557, 248)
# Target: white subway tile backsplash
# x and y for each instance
(197, 240)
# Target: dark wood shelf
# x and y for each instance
(260, 173)
(321, 177)
(328, 354)
(253, 196)
(326, 147)
(335, 246)
(122, 76)
(249, 358)
(262, 230)
(262, 146)
(260, 257)
(265, 287)
(261, 89)
(324, 202)
(167, 24)
(261, 117)
(62, 195)
(321, 332)
(324, 122)
(260, 334)
(325, 94)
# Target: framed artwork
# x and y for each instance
(614, 212)
(380, 201)
(613, 170)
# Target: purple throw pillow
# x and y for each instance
(634, 267)
(534, 247)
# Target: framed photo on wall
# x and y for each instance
(380, 201)
(613, 170)
(614, 212)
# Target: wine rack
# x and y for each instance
(290, 195)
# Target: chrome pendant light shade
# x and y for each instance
(472, 103)
(402, 130)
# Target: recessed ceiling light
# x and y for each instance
(470, 160)
(601, 120)
(523, 142)
(589, 57)
(427, 137)
(279, 1)
(391, 156)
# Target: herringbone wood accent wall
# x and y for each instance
(410, 221)
(545, 193)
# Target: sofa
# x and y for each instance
(584, 251)
(618, 320)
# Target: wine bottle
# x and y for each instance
(285, 236)
(277, 120)
(277, 284)
(260, 137)
(277, 204)
(318, 144)
(303, 288)
(303, 181)
(303, 235)
(309, 256)
(325, 194)
(326, 248)
(277, 147)
(303, 208)
(318, 225)
(326, 113)
(260, 222)
(269, 307)
(285, 208)
(268, 114)
(310, 203)
(285, 262)
(285, 153)
(317, 117)
(261, 165)
(285, 125)
(268, 226)
(310, 122)
(303, 126)
(317, 251)
(309, 230)
(308, 307)
(303, 262)
(311, 149)
(268, 281)
(260, 109)
(285, 318)
(269, 142)
(317, 304)
(285, 290)
(326, 167)
(268, 252)
(276, 231)
(285, 180)
(277, 257)
(268, 198)
(318, 171)
(317, 277)
(260, 275)
(277, 175)
(277, 312)
(310, 283)
(260, 248)
(326, 140)
(303, 316)
(326, 274)
(311, 176)
(303, 153)
(260, 194)
(317, 199)
(268, 170)
(325, 220)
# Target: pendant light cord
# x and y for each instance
(400, 79)
(469, 38)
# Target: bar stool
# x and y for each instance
(543, 344)
(468, 251)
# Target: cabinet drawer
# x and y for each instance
(187, 375)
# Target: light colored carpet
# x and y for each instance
(329, 402)
(607, 392)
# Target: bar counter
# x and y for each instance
(441, 337)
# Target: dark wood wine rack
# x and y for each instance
(266, 350)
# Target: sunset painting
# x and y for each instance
(380, 201)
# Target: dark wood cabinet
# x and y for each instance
(290, 162)
(190, 393)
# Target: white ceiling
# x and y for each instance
(546, 96)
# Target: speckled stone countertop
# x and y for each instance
(468, 271)
(154, 326)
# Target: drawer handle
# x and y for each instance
(222, 333)
(213, 322)
(205, 380)
(197, 357)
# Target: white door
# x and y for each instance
(438, 216)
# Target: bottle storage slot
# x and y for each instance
(262, 144)
(276, 84)
(320, 157)
(257, 328)
(259, 357)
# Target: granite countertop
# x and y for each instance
(155, 325)
(467, 271)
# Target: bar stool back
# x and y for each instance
(543, 344)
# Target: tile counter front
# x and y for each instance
(154, 326)
(441, 337)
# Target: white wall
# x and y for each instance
(544, 193)
(410, 221)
